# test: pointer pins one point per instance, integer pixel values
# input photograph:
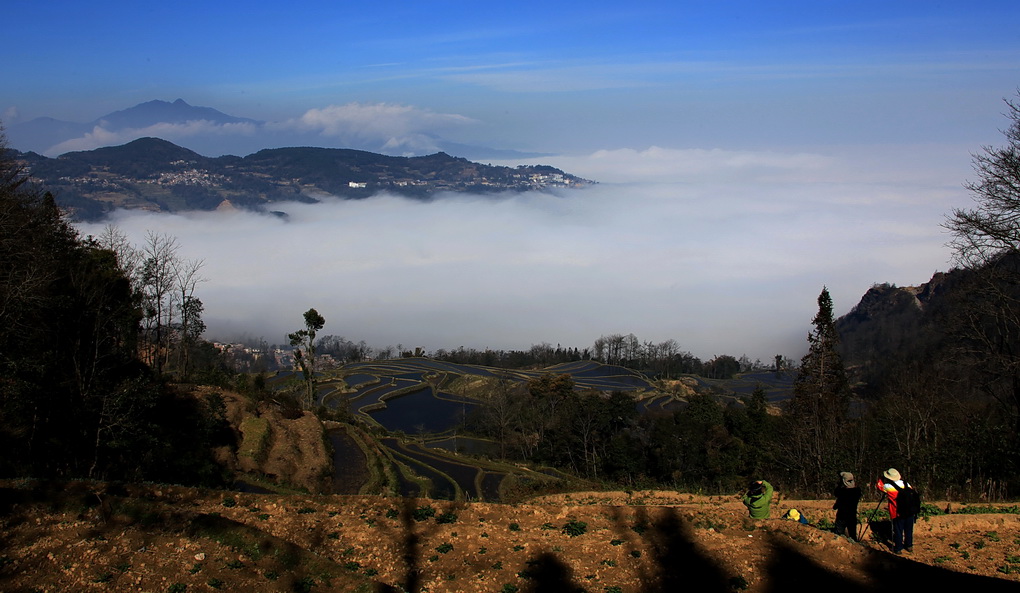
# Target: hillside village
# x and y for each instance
(156, 175)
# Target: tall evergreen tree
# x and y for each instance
(818, 411)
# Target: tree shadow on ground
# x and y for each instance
(674, 562)
(789, 570)
(411, 555)
(680, 564)
(548, 574)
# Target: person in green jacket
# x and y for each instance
(758, 499)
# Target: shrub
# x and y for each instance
(423, 513)
(514, 527)
(229, 501)
(444, 548)
(447, 517)
(574, 528)
(988, 509)
(177, 588)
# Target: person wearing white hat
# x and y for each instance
(892, 484)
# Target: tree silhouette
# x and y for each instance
(305, 338)
(818, 411)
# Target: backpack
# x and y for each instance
(908, 501)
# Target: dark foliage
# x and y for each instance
(74, 399)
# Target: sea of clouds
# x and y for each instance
(723, 251)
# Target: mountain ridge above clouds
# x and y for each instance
(385, 129)
(156, 175)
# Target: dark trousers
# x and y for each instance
(903, 533)
(847, 527)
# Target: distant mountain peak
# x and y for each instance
(155, 112)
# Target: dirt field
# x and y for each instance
(97, 537)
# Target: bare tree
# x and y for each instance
(159, 275)
(129, 259)
(189, 308)
(986, 240)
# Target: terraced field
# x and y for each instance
(413, 407)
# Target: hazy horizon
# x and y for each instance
(747, 155)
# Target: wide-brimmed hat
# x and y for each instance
(848, 479)
(891, 474)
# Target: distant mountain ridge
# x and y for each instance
(896, 325)
(43, 133)
(157, 175)
(210, 131)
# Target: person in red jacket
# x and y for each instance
(890, 484)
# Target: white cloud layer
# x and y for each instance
(393, 127)
(725, 252)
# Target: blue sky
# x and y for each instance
(758, 130)
(539, 75)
